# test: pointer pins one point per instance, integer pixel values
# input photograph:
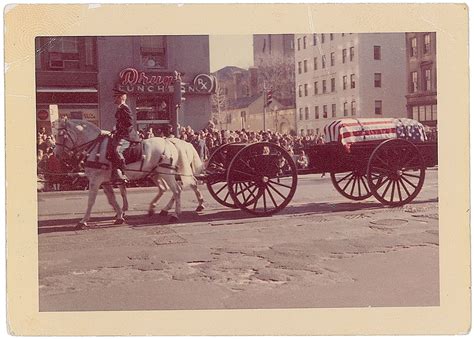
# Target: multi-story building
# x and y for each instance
(274, 57)
(241, 103)
(421, 99)
(77, 74)
(348, 75)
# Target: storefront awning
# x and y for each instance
(66, 90)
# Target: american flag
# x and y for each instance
(348, 131)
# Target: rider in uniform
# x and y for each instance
(122, 134)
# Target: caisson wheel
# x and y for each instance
(216, 172)
(396, 172)
(262, 179)
(352, 185)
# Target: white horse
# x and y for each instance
(194, 166)
(162, 160)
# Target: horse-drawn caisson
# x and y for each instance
(384, 158)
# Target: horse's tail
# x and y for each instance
(196, 162)
(184, 167)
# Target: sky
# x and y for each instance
(231, 50)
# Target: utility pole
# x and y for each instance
(264, 105)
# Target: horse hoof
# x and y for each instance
(81, 226)
(151, 213)
(119, 221)
(200, 208)
(163, 213)
(173, 219)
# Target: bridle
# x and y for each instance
(66, 135)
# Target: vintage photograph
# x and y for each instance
(251, 171)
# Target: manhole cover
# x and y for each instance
(389, 222)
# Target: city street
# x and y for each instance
(320, 251)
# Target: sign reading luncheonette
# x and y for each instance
(134, 81)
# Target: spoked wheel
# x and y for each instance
(352, 185)
(396, 172)
(216, 170)
(262, 179)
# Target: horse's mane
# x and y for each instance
(85, 124)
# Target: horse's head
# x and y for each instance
(72, 136)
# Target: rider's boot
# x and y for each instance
(118, 174)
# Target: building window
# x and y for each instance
(301, 114)
(306, 113)
(323, 61)
(324, 86)
(299, 43)
(434, 112)
(344, 55)
(427, 79)
(153, 52)
(302, 131)
(63, 45)
(414, 82)
(304, 42)
(333, 110)
(299, 67)
(344, 82)
(316, 112)
(426, 43)
(300, 93)
(315, 61)
(90, 51)
(331, 36)
(305, 65)
(346, 112)
(333, 84)
(413, 47)
(333, 58)
(352, 53)
(422, 113)
(305, 90)
(152, 108)
(316, 88)
(315, 40)
(428, 113)
(325, 111)
(322, 38)
(378, 107)
(63, 53)
(377, 79)
(353, 108)
(377, 53)
(415, 113)
(353, 81)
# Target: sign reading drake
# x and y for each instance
(134, 81)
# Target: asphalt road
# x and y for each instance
(321, 251)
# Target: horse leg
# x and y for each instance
(123, 193)
(175, 189)
(119, 216)
(161, 190)
(93, 189)
(199, 197)
(164, 211)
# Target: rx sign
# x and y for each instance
(204, 83)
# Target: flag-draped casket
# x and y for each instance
(349, 131)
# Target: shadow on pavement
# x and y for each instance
(143, 220)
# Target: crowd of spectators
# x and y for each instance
(205, 141)
(208, 139)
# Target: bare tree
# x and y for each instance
(220, 103)
(278, 72)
